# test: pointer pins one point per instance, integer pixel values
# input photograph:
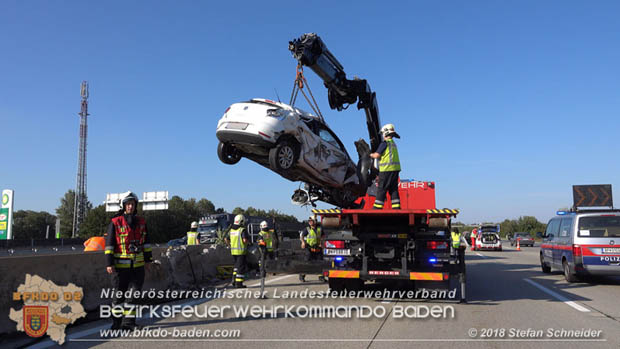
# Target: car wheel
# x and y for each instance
(567, 274)
(283, 156)
(228, 154)
(545, 268)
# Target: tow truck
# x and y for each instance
(411, 246)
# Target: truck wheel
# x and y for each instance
(545, 268)
(228, 154)
(567, 274)
(283, 156)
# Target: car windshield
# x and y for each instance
(209, 228)
(599, 226)
(525, 236)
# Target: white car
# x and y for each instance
(488, 241)
(294, 143)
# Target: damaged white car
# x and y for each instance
(297, 145)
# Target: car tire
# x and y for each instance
(283, 156)
(545, 268)
(227, 153)
(567, 274)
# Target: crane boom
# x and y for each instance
(310, 50)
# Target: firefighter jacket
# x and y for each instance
(267, 236)
(389, 161)
(192, 237)
(237, 246)
(127, 242)
(312, 237)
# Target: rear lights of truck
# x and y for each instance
(334, 244)
(577, 251)
(436, 245)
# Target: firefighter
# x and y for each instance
(311, 242)
(239, 240)
(127, 251)
(192, 234)
(389, 168)
(267, 240)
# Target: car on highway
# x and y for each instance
(296, 144)
(524, 239)
(178, 242)
(488, 241)
(582, 243)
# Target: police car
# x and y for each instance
(582, 243)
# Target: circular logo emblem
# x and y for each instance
(611, 242)
(5, 199)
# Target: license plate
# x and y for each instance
(236, 125)
(337, 252)
(611, 250)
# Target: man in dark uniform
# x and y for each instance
(127, 251)
(389, 168)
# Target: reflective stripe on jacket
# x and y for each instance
(237, 246)
(268, 238)
(313, 237)
(192, 237)
(389, 161)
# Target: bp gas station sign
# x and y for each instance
(6, 215)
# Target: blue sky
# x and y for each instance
(505, 105)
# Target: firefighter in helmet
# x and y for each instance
(311, 242)
(127, 252)
(239, 240)
(267, 240)
(389, 168)
(192, 234)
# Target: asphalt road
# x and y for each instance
(511, 304)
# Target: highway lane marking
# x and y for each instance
(481, 255)
(558, 296)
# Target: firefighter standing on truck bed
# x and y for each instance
(127, 251)
(389, 168)
(192, 234)
(311, 242)
(239, 241)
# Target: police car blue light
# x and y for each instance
(432, 260)
(338, 259)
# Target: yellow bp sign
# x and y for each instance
(48, 308)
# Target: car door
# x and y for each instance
(548, 247)
(332, 162)
(564, 246)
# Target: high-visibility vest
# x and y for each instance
(237, 246)
(268, 238)
(130, 247)
(389, 159)
(456, 240)
(191, 237)
(95, 243)
(313, 236)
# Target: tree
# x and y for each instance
(33, 225)
(96, 223)
(65, 213)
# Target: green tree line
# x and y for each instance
(163, 225)
(523, 224)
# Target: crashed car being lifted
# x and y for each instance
(296, 144)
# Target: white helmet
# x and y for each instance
(129, 195)
(263, 225)
(239, 220)
(194, 225)
(311, 218)
(388, 130)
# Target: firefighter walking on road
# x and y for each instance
(311, 242)
(127, 252)
(389, 168)
(239, 241)
(192, 234)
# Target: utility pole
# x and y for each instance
(81, 200)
